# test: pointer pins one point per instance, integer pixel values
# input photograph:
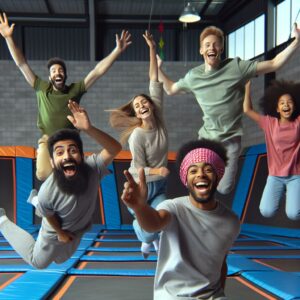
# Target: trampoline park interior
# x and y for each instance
(264, 261)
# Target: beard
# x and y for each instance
(203, 200)
(59, 87)
(75, 185)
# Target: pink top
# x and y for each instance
(283, 145)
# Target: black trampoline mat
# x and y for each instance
(268, 252)
(236, 290)
(121, 265)
(287, 265)
(118, 244)
(109, 288)
(13, 261)
(255, 243)
(4, 277)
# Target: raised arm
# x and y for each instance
(18, 57)
(169, 85)
(281, 58)
(247, 105)
(135, 196)
(81, 121)
(103, 66)
(153, 69)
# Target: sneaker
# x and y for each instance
(145, 249)
(2, 212)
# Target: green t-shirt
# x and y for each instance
(220, 94)
(53, 105)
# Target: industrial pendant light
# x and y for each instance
(189, 14)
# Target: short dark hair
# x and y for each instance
(62, 135)
(272, 94)
(57, 61)
(214, 146)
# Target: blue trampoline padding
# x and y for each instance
(62, 268)
(78, 253)
(270, 230)
(282, 284)
(235, 248)
(117, 258)
(241, 192)
(33, 285)
(24, 184)
(112, 272)
(84, 244)
(237, 264)
(6, 248)
(110, 199)
(266, 256)
(116, 233)
(15, 268)
(110, 249)
(116, 240)
(9, 256)
(256, 149)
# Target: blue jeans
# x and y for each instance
(156, 195)
(273, 193)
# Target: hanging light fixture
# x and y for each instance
(189, 14)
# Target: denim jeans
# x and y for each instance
(273, 193)
(156, 195)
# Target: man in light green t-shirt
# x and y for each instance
(53, 96)
(218, 86)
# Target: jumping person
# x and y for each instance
(218, 86)
(281, 126)
(53, 96)
(141, 124)
(68, 197)
(196, 230)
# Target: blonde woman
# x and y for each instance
(141, 123)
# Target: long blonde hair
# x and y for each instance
(124, 120)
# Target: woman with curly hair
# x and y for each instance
(281, 125)
(141, 123)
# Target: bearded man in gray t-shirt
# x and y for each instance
(197, 231)
(67, 199)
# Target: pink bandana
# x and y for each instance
(201, 155)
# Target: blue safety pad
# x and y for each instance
(62, 267)
(33, 285)
(270, 230)
(110, 249)
(116, 240)
(6, 248)
(282, 284)
(24, 184)
(235, 248)
(15, 268)
(256, 149)
(84, 244)
(267, 256)
(110, 199)
(116, 258)
(9, 255)
(112, 272)
(237, 264)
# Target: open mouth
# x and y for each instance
(144, 111)
(58, 80)
(69, 169)
(201, 186)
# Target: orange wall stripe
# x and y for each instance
(257, 290)
(7, 151)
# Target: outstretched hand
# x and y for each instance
(135, 194)
(296, 32)
(149, 39)
(5, 29)
(159, 61)
(80, 118)
(124, 41)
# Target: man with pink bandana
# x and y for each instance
(197, 231)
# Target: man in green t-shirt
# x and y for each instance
(53, 95)
(218, 86)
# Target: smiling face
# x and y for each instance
(143, 108)
(202, 183)
(66, 158)
(285, 107)
(211, 49)
(57, 77)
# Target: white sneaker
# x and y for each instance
(145, 249)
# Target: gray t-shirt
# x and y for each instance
(192, 249)
(220, 94)
(74, 211)
(149, 148)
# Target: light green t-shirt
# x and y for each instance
(53, 105)
(220, 94)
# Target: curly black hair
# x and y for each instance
(62, 135)
(215, 146)
(269, 101)
(57, 61)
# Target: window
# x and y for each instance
(249, 40)
(287, 12)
